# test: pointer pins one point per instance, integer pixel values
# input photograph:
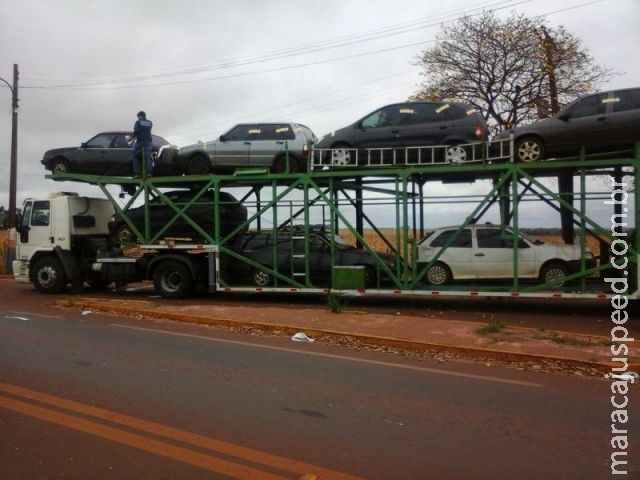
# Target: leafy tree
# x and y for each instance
(515, 70)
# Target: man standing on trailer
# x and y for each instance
(142, 162)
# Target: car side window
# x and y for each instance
(102, 140)
(242, 132)
(625, 100)
(593, 105)
(462, 241)
(490, 238)
(385, 117)
(120, 141)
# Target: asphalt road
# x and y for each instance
(98, 396)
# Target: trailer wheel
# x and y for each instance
(261, 278)
(49, 276)
(438, 274)
(172, 279)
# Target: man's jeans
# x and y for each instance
(142, 152)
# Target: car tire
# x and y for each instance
(124, 235)
(49, 276)
(554, 273)
(280, 164)
(438, 274)
(457, 154)
(528, 149)
(59, 165)
(370, 278)
(198, 165)
(341, 155)
(261, 278)
(172, 279)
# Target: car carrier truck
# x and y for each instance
(64, 241)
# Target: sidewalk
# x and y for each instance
(461, 338)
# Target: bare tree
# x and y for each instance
(515, 70)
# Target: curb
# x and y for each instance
(380, 341)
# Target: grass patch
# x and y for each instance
(335, 303)
(566, 340)
(491, 327)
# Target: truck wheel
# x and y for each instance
(172, 279)
(49, 276)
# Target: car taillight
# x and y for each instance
(480, 131)
(305, 150)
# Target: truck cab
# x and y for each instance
(53, 229)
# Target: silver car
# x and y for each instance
(281, 147)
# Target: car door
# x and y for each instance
(117, 157)
(232, 149)
(267, 143)
(582, 124)
(425, 124)
(493, 254)
(624, 119)
(382, 128)
(457, 255)
(90, 156)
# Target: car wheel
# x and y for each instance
(59, 165)
(198, 165)
(341, 155)
(124, 234)
(261, 278)
(280, 164)
(457, 154)
(528, 149)
(554, 273)
(438, 274)
(172, 279)
(370, 278)
(49, 276)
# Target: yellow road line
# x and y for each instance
(174, 452)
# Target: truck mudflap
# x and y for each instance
(70, 266)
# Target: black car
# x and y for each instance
(598, 123)
(232, 215)
(409, 124)
(109, 153)
(289, 249)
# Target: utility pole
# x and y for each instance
(549, 47)
(14, 145)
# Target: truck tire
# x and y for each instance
(172, 279)
(49, 276)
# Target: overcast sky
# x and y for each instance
(197, 67)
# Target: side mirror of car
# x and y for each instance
(223, 138)
(83, 145)
(564, 117)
